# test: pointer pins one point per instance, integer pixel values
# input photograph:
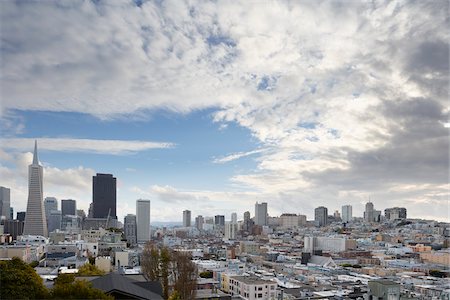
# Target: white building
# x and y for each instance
(323, 243)
(234, 218)
(347, 215)
(143, 220)
(5, 202)
(292, 220)
(230, 230)
(261, 214)
(252, 288)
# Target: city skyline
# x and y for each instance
(233, 109)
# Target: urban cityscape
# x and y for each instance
(224, 150)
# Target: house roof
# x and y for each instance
(118, 283)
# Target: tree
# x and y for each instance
(184, 273)
(150, 262)
(66, 287)
(89, 270)
(19, 280)
(175, 296)
(206, 274)
(164, 270)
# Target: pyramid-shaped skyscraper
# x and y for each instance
(35, 223)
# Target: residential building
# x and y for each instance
(230, 230)
(347, 215)
(252, 288)
(261, 214)
(199, 221)
(332, 244)
(234, 218)
(104, 196)
(143, 220)
(395, 213)
(35, 221)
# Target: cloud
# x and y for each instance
(235, 156)
(348, 98)
(113, 147)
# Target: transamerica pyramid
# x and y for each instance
(35, 223)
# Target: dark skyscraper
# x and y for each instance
(321, 216)
(21, 215)
(104, 195)
(68, 207)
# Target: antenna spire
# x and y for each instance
(35, 156)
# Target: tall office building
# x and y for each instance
(321, 216)
(370, 214)
(234, 218)
(68, 207)
(199, 221)
(219, 220)
(21, 216)
(5, 202)
(54, 220)
(50, 203)
(230, 230)
(104, 196)
(130, 228)
(347, 215)
(261, 214)
(143, 220)
(186, 218)
(11, 213)
(35, 222)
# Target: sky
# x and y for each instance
(213, 106)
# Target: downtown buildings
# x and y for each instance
(143, 220)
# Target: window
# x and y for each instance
(259, 295)
(260, 288)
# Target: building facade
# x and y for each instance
(130, 228)
(5, 203)
(143, 220)
(321, 216)
(186, 218)
(104, 196)
(347, 214)
(35, 221)
(261, 214)
(68, 207)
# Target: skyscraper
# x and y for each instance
(35, 222)
(5, 203)
(321, 216)
(186, 218)
(50, 203)
(395, 213)
(199, 221)
(68, 207)
(130, 228)
(54, 220)
(219, 220)
(143, 220)
(261, 214)
(21, 216)
(234, 218)
(368, 213)
(347, 215)
(104, 196)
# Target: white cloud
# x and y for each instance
(113, 147)
(235, 156)
(338, 93)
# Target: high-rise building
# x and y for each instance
(261, 214)
(370, 214)
(230, 230)
(21, 216)
(234, 218)
(5, 203)
(248, 222)
(130, 228)
(35, 222)
(347, 215)
(219, 220)
(54, 220)
(68, 207)
(143, 220)
(11, 213)
(186, 218)
(321, 216)
(199, 221)
(395, 213)
(50, 203)
(246, 215)
(104, 196)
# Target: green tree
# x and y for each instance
(164, 271)
(89, 270)
(66, 287)
(206, 274)
(19, 280)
